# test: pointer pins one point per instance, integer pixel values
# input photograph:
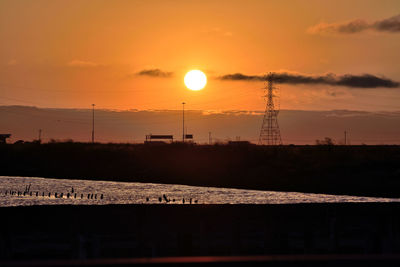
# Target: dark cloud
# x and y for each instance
(386, 25)
(353, 26)
(155, 73)
(349, 80)
(241, 77)
(391, 24)
(365, 81)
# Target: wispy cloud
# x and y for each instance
(82, 63)
(348, 80)
(155, 73)
(391, 25)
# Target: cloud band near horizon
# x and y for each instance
(391, 25)
(348, 80)
(155, 73)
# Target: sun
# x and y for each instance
(195, 80)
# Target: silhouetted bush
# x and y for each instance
(327, 141)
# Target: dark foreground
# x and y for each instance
(350, 170)
(209, 235)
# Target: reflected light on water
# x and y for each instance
(136, 193)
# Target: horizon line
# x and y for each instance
(212, 111)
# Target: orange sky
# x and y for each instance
(75, 53)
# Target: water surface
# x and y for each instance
(136, 193)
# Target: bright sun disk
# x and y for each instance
(195, 80)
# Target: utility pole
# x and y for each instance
(209, 138)
(183, 121)
(93, 123)
(345, 137)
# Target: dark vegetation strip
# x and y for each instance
(352, 170)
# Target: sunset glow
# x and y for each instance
(72, 63)
(195, 80)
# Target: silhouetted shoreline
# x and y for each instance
(350, 170)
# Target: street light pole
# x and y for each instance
(183, 122)
(93, 123)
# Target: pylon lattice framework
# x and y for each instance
(270, 133)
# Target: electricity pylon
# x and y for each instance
(270, 133)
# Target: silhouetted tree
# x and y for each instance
(327, 142)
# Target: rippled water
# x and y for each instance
(136, 193)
